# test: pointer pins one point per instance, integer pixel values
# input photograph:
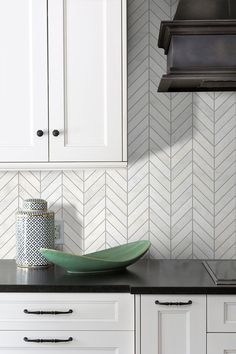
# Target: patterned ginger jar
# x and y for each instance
(34, 230)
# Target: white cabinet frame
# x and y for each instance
(68, 165)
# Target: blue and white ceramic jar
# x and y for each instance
(34, 230)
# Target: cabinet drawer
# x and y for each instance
(221, 343)
(84, 342)
(221, 313)
(89, 311)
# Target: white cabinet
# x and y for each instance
(173, 324)
(63, 73)
(221, 320)
(79, 342)
(221, 313)
(23, 80)
(90, 312)
(221, 343)
(86, 80)
(79, 322)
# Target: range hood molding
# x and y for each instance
(205, 10)
(199, 49)
(168, 29)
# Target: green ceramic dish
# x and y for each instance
(115, 258)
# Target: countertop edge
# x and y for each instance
(64, 289)
(221, 290)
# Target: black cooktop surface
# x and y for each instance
(222, 272)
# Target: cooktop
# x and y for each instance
(223, 272)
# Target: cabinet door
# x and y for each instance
(173, 329)
(221, 343)
(90, 312)
(81, 342)
(85, 80)
(23, 80)
(221, 313)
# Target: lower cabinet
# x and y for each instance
(221, 343)
(221, 324)
(173, 324)
(79, 342)
(105, 323)
(76, 323)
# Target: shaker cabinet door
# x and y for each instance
(86, 80)
(173, 324)
(23, 81)
(221, 343)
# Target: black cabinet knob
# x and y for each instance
(55, 132)
(39, 132)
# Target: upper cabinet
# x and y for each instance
(85, 75)
(63, 83)
(23, 81)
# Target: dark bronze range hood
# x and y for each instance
(200, 44)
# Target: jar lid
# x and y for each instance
(35, 204)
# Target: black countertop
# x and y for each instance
(144, 277)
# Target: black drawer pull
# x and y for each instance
(173, 303)
(38, 340)
(47, 312)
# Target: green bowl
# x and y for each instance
(112, 259)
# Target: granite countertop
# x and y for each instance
(144, 277)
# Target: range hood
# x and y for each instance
(200, 44)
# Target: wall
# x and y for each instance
(179, 189)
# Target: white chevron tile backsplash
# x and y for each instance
(203, 175)
(73, 210)
(179, 189)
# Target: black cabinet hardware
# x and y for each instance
(39, 340)
(47, 312)
(173, 303)
(39, 133)
(55, 132)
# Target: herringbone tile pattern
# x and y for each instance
(203, 175)
(138, 125)
(94, 211)
(225, 209)
(159, 140)
(8, 207)
(116, 207)
(73, 210)
(181, 175)
(179, 188)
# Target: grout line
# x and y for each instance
(18, 189)
(127, 168)
(192, 178)
(234, 187)
(40, 184)
(62, 204)
(214, 174)
(171, 175)
(105, 177)
(149, 122)
(83, 221)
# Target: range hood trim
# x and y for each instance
(181, 28)
(184, 82)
